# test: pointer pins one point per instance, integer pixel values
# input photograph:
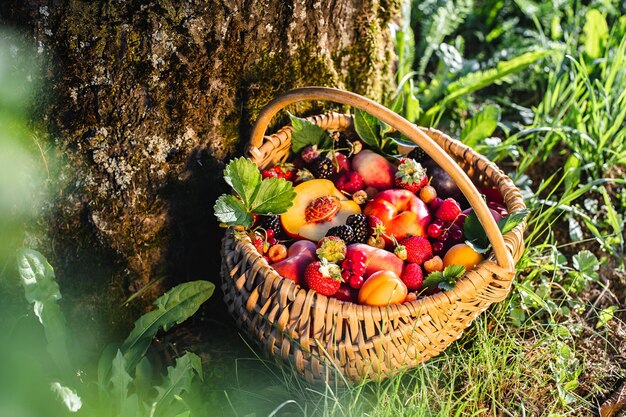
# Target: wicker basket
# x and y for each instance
(325, 339)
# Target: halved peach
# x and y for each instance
(299, 221)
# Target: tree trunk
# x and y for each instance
(144, 101)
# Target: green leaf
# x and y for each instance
(41, 290)
(366, 127)
(143, 378)
(474, 233)
(307, 133)
(275, 196)
(244, 177)
(605, 316)
(510, 222)
(587, 264)
(175, 306)
(445, 279)
(120, 380)
(178, 380)
(231, 211)
(402, 140)
(596, 32)
(481, 126)
(395, 106)
(572, 172)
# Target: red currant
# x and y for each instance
(347, 265)
(358, 268)
(346, 275)
(356, 281)
(272, 241)
(270, 233)
(434, 230)
(358, 256)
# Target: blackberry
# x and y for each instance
(418, 154)
(273, 223)
(358, 223)
(322, 167)
(344, 232)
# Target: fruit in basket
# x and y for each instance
(401, 212)
(449, 210)
(418, 249)
(350, 182)
(317, 207)
(323, 277)
(332, 248)
(375, 170)
(462, 254)
(299, 256)
(443, 183)
(411, 175)
(277, 252)
(413, 277)
(383, 288)
(376, 259)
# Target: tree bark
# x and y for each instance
(144, 101)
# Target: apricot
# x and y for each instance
(462, 254)
(383, 288)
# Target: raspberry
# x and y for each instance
(449, 210)
(350, 182)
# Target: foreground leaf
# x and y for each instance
(244, 177)
(231, 211)
(178, 380)
(42, 290)
(275, 196)
(175, 306)
(366, 127)
(120, 380)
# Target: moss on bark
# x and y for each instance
(146, 100)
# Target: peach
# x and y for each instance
(299, 256)
(383, 288)
(462, 254)
(298, 221)
(377, 259)
(401, 212)
(375, 170)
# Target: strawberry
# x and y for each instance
(323, 277)
(322, 209)
(413, 277)
(411, 175)
(418, 249)
(449, 210)
(258, 243)
(285, 171)
(350, 182)
(331, 248)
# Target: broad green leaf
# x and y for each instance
(244, 177)
(307, 133)
(475, 233)
(104, 364)
(42, 290)
(366, 127)
(481, 126)
(231, 211)
(572, 172)
(395, 106)
(587, 264)
(596, 32)
(413, 109)
(275, 196)
(445, 279)
(605, 316)
(120, 380)
(69, 397)
(143, 378)
(178, 380)
(511, 221)
(175, 306)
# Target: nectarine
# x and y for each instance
(375, 170)
(376, 259)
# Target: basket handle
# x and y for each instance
(410, 130)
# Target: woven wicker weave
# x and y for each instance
(326, 339)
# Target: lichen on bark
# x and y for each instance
(146, 100)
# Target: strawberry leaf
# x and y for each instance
(231, 211)
(307, 133)
(244, 177)
(446, 279)
(275, 196)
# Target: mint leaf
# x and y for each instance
(508, 223)
(307, 133)
(275, 196)
(244, 177)
(231, 211)
(366, 127)
(446, 279)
